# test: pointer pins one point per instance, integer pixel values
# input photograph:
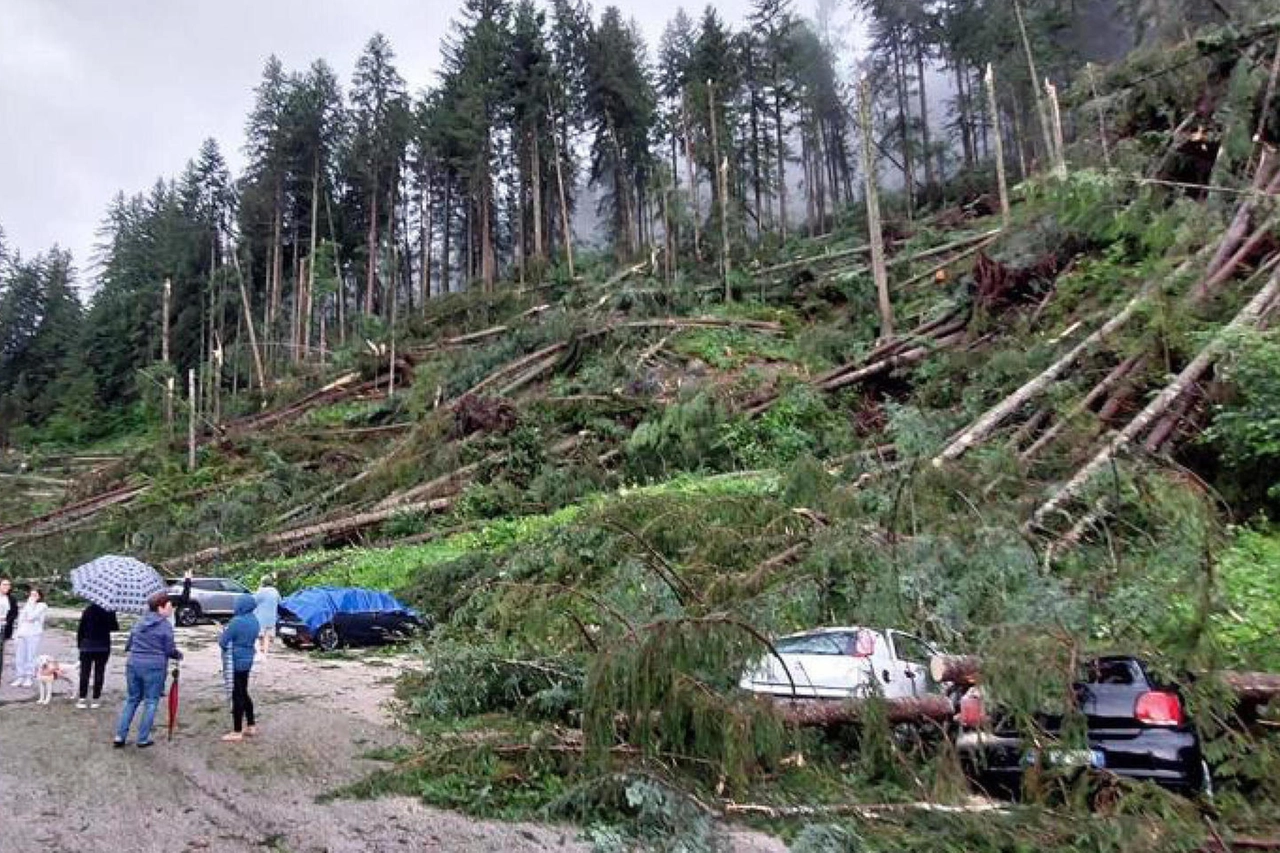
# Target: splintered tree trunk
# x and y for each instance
(567, 231)
(879, 273)
(1247, 318)
(782, 155)
(1055, 117)
(248, 320)
(994, 108)
(692, 170)
(311, 254)
(1041, 112)
(722, 182)
(371, 247)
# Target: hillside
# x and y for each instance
(608, 489)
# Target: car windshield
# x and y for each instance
(848, 643)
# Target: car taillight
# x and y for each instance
(1159, 709)
(972, 714)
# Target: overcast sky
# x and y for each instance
(98, 97)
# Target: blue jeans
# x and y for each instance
(145, 684)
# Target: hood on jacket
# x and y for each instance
(149, 622)
(245, 604)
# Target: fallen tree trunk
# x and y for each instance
(989, 422)
(1113, 378)
(76, 511)
(825, 713)
(1252, 687)
(867, 811)
(955, 669)
(1247, 318)
(325, 530)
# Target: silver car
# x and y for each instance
(209, 598)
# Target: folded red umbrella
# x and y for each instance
(173, 703)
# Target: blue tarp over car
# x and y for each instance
(317, 605)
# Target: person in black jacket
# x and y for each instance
(93, 637)
(8, 615)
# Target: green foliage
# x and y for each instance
(1247, 619)
(799, 424)
(1246, 428)
(463, 679)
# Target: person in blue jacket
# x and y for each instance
(241, 637)
(150, 647)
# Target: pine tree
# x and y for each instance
(621, 106)
(379, 118)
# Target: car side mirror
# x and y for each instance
(885, 675)
(911, 673)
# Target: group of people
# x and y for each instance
(151, 646)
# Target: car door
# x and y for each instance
(909, 667)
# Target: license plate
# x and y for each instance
(287, 632)
(1067, 758)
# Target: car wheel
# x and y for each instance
(188, 615)
(327, 638)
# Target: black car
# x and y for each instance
(349, 629)
(1136, 728)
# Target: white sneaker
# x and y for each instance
(82, 704)
(95, 704)
(27, 682)
(17, 682)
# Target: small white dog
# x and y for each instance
(48, 673)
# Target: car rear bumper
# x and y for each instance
(294, 632)
(1168, 757)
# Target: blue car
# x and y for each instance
(328, 617)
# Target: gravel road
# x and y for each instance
(64, 789)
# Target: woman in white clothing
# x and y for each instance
(26, 637)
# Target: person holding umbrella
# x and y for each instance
(150, 649)
(241, 637)
(93, 637)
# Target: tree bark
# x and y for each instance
(1035, 80)
(539, 250)
(989, 422)
(371, 247)
(826, 713)
(930, 177)
(1247, 318)
(722, 173)
(961, 670)
(567, 231)
(878, 271)
(994, 107)
(248, 319)
(1098, 391)
(782, 156)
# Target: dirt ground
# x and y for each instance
(64, 788)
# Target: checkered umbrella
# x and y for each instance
(116, 583)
